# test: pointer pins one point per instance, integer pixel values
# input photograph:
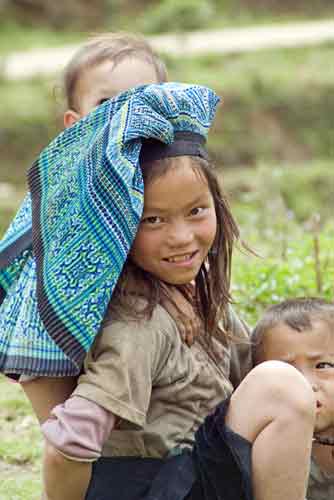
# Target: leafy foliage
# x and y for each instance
(286, 219)
(173, 15)
(259, 282)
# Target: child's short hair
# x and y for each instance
(109, 46)
(299, 314)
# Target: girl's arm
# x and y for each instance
(78, 429)
(44, 393)
(74, 436)
(117, 381)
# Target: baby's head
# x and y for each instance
(106, 66)
(301, 332)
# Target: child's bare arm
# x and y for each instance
(64, 479)
(44, 393)
(74, 436)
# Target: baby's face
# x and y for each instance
(312, 353)
(105, 80)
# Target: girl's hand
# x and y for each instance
(183, 312)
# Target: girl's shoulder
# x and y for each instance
(147, 345)
(156, 331)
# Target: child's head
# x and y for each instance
(301, 333)
(105, 66)
(187, 231)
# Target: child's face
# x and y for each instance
(105, 80)
(178, 225)
(312, 353)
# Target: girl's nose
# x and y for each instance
(180, 234)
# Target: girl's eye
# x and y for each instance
(325, 364)
(196, 211)
(153, 221)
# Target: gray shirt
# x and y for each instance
(159, 388)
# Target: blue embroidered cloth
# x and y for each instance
(59, 266)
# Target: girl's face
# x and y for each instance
(178, 225)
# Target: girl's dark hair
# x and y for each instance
(108, 47)
(212, 284)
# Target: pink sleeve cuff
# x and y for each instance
(79, 428)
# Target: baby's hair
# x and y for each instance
(299, 314)
(108, 47)
(213, 280)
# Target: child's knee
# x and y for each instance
(281, 386)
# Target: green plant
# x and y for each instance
(173, 15)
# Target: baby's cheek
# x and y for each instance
(327, 398)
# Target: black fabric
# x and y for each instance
(2, 294)
(222, 461)
(218, 468)
(141, 478)
(185, 144)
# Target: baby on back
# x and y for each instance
(301, 332)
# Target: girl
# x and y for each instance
(164, 411)
(102, 68)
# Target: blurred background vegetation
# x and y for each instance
(273, 144)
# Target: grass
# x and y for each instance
(288, 68)
(15, 37)
(20, 445)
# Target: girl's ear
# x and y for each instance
(70, 117)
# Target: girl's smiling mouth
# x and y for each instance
(181, 259)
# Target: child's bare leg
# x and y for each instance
(274, 408)
(64, 479)
(46, 392)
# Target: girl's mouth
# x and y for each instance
(181, 259)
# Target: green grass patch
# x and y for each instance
(17, 448)
(285, 217)
(21, 487)
(291, 270)
(17, 37)
(20, 445)
(250, 72)
(22, 27)
(175, 16)
(280, 192)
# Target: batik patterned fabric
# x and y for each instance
(58, 267)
